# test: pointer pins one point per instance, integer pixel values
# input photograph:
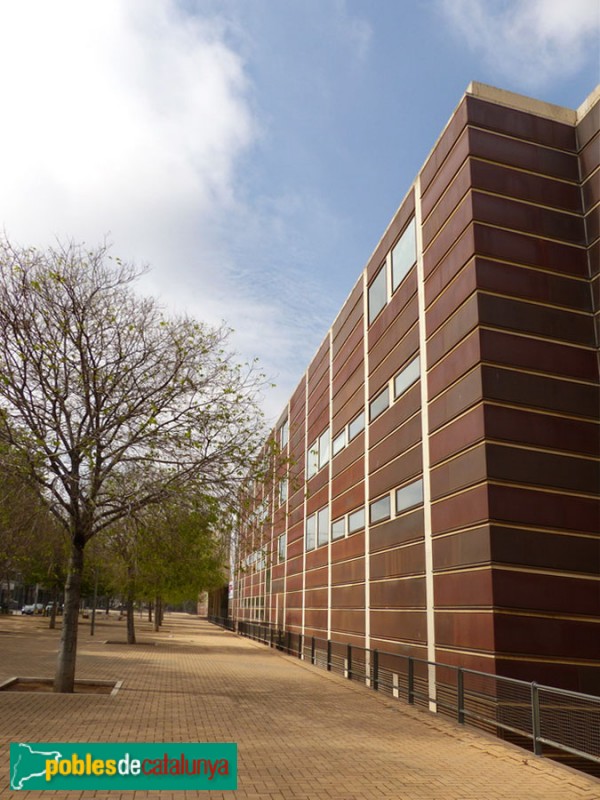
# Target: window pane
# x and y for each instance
(377, 294)
(338, 529)
(284, 434)
(404, 255)
(339, 443)
(407, 377)
(409, 496)
(356, 520)
(356, 426)
(380, 509)
(283, 491)
(379, 404)
(323, 448)
(310, 532)
(323, 526)
(312, 460)
(281, 547)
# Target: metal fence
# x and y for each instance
(549, 720)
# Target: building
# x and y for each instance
(444, 499)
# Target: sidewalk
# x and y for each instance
(302, 733)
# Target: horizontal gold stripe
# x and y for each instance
(530, 302)
(531, 143)
(530, 409)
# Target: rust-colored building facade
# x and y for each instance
(444, 498)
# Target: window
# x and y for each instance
(338, 529)
(379, 404)
(409, 496)
(356, 426)
(377, 294)
(407, 377)
(404, 255)
(323, 448)
(284, 432)
(356, 520)
(339, 443)
(312, 460)
(323, 526)
(380, 509)
(283, 491)
(310, 532)
(281, 547)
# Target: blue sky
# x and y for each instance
(253, 151)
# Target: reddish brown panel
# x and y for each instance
(521, 185)
(354, 474)
(383, 338)
(462, 549)
(401, 530)
(408, 465)
(450, 266)
(461, 396)
(348, 572)
(353, 451)
(592, 224)
(401, 561)
(589, 157)
(350, 547)
(348, 596)
(520, 124)
(532, 157)
(536, 467)
(401, 410)
(551, 393)
(319, 365)
(550, 637)
(318, 496)
(345, 638)
(349, 317)
(522, 506)
(395, 624)
(397, 648)
(348, 384)
(348, 363)
(444, 145)
(464, 589)
(296, 547)
(405, 436)
(543, 592)
(544, 287)
(453, 331)
(449, 201)
(450, 233)
(462, 359)
(395, 361)
(343, 414)
(315, 620)
(451, 167)
(316, 577)
(469, 508)
(315, 559)
(294, 583)
(590, 192)
(349, 501)
(547, 430)
(576, 677)
(458, 435)
(532, 219)
(465, 470)
(451, 298)
(472, 630)
(546, 550)
(476, 661)
(349, 621)
(555, 323)
(398, 593)
(522, 249)
(315, 598)
(588, 126)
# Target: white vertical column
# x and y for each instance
(305, 507)
(287, 515)
(366, 407)
(429, 599)
(330, 490)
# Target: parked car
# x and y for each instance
(33, 608)
(48, 609)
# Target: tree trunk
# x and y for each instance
(157, 614)
(64, 678)
(130, 616)
(149, 612)
(52, 624)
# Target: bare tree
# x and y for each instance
(112, 405)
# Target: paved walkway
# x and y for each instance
(302, 733)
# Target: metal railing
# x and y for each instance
(549, 720)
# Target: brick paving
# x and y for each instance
(302, 733)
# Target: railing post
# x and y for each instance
(288, 646)
(312, 651)
(535, 719)
(328, 655)
(271, 638)
(376, 670)
(300, 647)
(460, 696)
(411, 680)
(349, 659)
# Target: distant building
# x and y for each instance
(444, 502)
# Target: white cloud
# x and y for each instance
(532, 42)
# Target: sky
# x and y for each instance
(252, 152)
